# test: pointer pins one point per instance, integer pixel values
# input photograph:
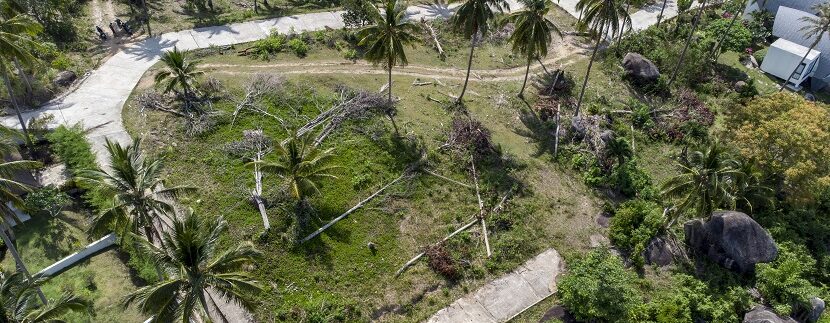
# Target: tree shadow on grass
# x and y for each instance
(538, 131)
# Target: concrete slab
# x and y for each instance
(463, 310)
(506, 296)
(541, 272)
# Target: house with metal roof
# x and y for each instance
(791, 46)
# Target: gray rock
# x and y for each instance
(607, 136)
(810, 97)
(659, 252)
(731, 239)
(816, 309)
(739, 85)
(65, 78)
(753, 61)
(640, 68)
(762, 314)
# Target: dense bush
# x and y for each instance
(264, 48)
(785, 283)
(739, 38)
(689, 299)
(298, 46)
(598, 287)
(634, 224)
(72, 148)
(632, 181)
(47, 201)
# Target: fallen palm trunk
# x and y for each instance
(357, 206)
(480, 207)
(446, 178)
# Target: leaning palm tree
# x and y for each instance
(197, 268)
(17, 294)
(140, 198)
(179, 72)
(603, 17)
(695, 23)
(15, 38)
(662, 10)
(473, 18)
(386, 38)
(301, 165)
(706, 182)
(10, 201)
(533, 32)
(815, 27)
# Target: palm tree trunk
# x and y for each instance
(688, 42)
(469, 66)
(662, 10)
(256, 9)
(587, 74)
(389, 92)
(26, 80)
(723, 37)
(542, 64)
(524, 83)
(16, 107)
(622, 28)
(783, 84)
(20, 265)
(147, 17)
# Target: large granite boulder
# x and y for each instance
(762, 314)
(660, 252)
(816, 309)
(640, 69)
(731, 239)
(65, 78)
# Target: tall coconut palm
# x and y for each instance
(179, 72)
(301, 165)
(17, 303)
(15, 39)
(533, 32)
(9, 200)
(816, 27)
(385, 41)
(695, 23)
(706, 182)
(140, 198)
(603, 17)
(473, 18)
(197, 267)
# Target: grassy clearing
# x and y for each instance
(103, 279)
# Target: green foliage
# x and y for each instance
(786, 282)
(760, 26)
(634, 224)
(632, 180)
(761, 54)
(789, 137)
(298, 46)
(739, 37)
(598, 287)
(47, 201)
(322, 311)
(265, 48)
(72, 148)
(689, 299)
(683, 5)
(358, 13)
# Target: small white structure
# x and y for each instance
(783, 57)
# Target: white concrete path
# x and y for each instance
(507, 296)
(68, 261)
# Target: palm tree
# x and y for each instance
(179, 72)
(662, 10)
(600, 14)
(707, 181)
(139, 197)
(619, 149)
(750, 191)
(533, 32)
(15, 38)
(473, 18)
(816, 27)
(385, 41)
(9, 190)
(17, 295)
(695, 22)
(301, 165)
(197, 267)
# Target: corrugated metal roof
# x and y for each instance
(803, 5)
(788, 25)
(795, 48)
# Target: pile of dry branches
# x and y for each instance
(253, 142)
(469, 134)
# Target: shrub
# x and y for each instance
(689, 299)
(72, 148)
(598, 287)
(761, 54)
(632, 181)
(350, 54)
(271, 45)
(635, 223)
(739, 38)
(47, 200)
(785, 282)
(298, 46)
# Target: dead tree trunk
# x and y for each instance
(556, 135)
(480, 207)
(257, 193)
(435, 41)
